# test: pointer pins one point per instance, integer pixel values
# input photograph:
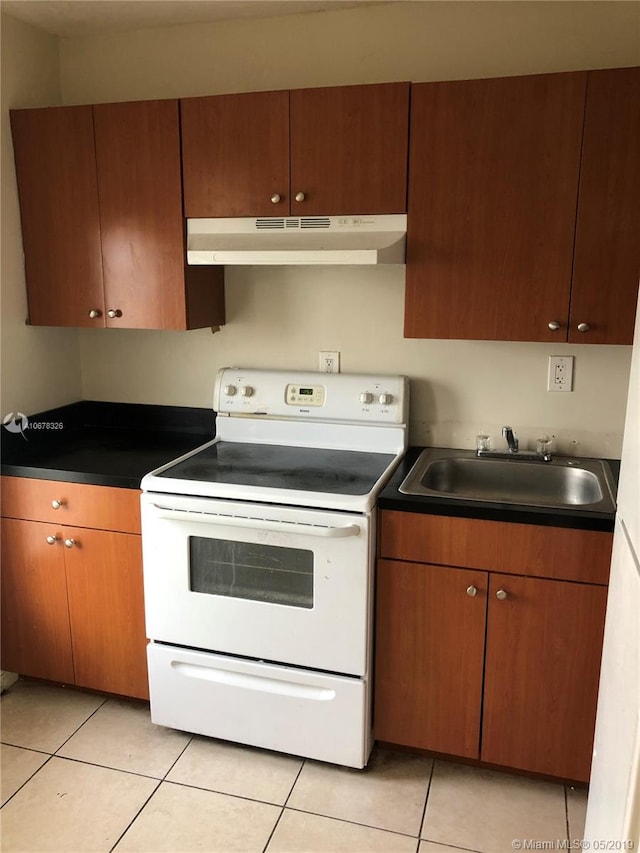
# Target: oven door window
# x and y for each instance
(253, 571)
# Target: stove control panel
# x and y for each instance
(334, 397)
(305, 395)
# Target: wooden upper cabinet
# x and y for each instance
(607, 252)
(101, 205)
(493, 182)
(343, 148)
(235, 151)
(143, 241)
(349, 149)
(56, 174)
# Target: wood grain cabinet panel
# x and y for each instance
(36, 637)
(73, 607)
(101, 206)
(493, 183)
(81, 505)
(528, 549)
(106, 607)
(607, 252)
(349, 149)
(430, 656)
(524, 208)
(544, 644)
(235, 151)
(343, 148)
(58, 190)
(542, 651)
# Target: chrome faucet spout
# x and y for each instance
(512, 441)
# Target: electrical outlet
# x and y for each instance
(560, 373)
(329, 362)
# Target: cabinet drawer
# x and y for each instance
(522, 549)
(102, 507)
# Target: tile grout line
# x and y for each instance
(284, 805)
(26, 781)
(426, 799)
(136, 815)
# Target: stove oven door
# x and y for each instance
(273, 583)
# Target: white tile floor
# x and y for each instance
(84, 773)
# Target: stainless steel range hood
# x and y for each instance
(298, 240)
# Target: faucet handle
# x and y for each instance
(542, 447)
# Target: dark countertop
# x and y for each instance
(391, 498)
(104, 444)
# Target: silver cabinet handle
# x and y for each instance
(275, 198)
(583, 327)
(112, 313)
(69, 542)
(472, 591)
(51, 540)
(554, 325)
(95, 312)
(299, 196)
(501, 594)
(56, 504)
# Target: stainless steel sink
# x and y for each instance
(582, 484)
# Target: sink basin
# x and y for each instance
(583, 484)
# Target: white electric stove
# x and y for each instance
(259, 553)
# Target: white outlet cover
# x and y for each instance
(560, 375)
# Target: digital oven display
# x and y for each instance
(305, 392)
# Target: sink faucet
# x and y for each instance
(512, 441)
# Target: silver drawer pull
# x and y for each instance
(501, 594)
(472, 591)
(56, 504)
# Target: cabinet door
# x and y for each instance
(492, 203)
(429, 656)
(138, 161)
(349, 149)
(544, 643)
(36, 639)
(235, 154)
(56, 173)
(106, 606)
(607, 252)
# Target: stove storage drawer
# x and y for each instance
(274, 707)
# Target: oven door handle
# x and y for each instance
(295, 527)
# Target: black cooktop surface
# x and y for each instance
(308, 469)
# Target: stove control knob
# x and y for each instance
(229, 390)
(366, 398)
(246, 391)
(385, 399)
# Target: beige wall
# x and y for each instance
(281, 317)
(40, 366)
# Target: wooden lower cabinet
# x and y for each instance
(106, 610)
(35, 635)
(544, 642)
(485, 664)
(430, 631)
(72, 596)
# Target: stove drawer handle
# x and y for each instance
(261, 683)
(258, 523)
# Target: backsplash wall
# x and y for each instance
(280, 317)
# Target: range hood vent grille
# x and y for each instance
(279, 224)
